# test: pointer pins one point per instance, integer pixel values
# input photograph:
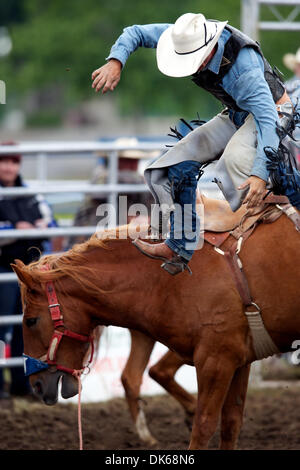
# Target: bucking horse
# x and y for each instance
(241, 304)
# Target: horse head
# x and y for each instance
(56, 331)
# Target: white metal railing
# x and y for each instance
(11, 362)
(84, 188)
(111, 149)
(44, 186)
(11, 320)
(251, 13)
(37, 148)
(112, 189)
(21, 234)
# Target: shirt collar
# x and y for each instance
(214, 64)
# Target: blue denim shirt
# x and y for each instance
(245, 82)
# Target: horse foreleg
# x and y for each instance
(214, 376)
(132, 376)
(233, 408)
(163, 372)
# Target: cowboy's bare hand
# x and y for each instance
(257, 188)
(23, 225)
(107, 77)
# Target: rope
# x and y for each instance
(77, 375)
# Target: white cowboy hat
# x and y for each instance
(184, 46)
(291, 60)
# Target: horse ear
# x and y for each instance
(23, 276)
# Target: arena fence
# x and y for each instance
(42, 151)
(251, 13)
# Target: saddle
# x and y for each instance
(218, 216)
(220, 221)
(219, 224)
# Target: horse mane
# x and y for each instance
(73, 263)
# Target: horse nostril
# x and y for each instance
(38, 388)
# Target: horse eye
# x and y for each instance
(33, 291)
(31, 322)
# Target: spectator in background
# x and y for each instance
(127, 174)
(22, 212)
(292, 62)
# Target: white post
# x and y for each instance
(113, 171)
(42, 167)
(249, 18)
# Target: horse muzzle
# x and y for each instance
(45, 385)
(44, 380)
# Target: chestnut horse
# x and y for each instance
(200, 317)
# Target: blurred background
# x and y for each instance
(73, 138)
(48, 50)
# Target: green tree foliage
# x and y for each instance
(11, 11)
(60, 43)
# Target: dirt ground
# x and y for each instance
(272, 421)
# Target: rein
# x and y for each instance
(32, 365)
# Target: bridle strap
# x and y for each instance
(53, 306)
(53, 346)
(58, 321)
(50, 357)
(71, 334)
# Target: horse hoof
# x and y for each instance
(152, 442)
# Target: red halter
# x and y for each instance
(58, 321)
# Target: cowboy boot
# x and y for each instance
(173, 263)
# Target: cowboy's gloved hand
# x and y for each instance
(257, 189)
(107, 77)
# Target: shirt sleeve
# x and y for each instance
(134, 37)
(251, 92)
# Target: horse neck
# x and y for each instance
(123, 276)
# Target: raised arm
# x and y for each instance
(108, 76)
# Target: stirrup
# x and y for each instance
(176, 265)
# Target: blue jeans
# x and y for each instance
(184, 221)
